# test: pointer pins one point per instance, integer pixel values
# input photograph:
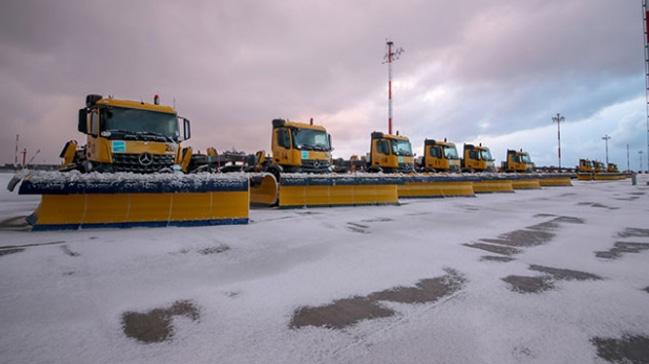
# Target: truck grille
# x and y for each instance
(123, 162)
(314, 165)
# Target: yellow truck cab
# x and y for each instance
(612, 168)
(440, 156)
(585, 166)
(128, 136)
(477, 159)
(598, 167)
(390, 153)
(517, 161)
(300, 147)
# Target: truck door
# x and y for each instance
(283, 137)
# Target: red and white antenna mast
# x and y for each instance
(391, 56)
(645, 26)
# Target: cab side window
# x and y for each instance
(383, 147)
(283, 138)
(473, 154)
(436, 152)
(94, 123)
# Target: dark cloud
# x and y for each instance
(470, 68)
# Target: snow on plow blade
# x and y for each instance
(556, 179)
(299, 190)
(434, 185)
(72, 200)
(488, 183)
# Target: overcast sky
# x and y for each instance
(492, 71)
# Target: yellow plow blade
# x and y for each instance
(585, 176)
(263, 189)
(525, 182)
(609, 176)
(72, 200)
(299, 190)
(555, 180)
(431, 185)
(492, 183)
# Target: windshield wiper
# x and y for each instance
(166, 137)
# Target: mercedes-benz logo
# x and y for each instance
(145, 159)
(316, 163)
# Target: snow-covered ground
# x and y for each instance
(269, 292)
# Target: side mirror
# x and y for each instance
(83, 121)
(330, 146)
(187, 130)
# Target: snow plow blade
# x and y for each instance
(526, 182)
(554, 180)
(609, 176)
(584, 176)
(300, 190)
(436, 185)
(488, 183)
(73, 200)
(263, 189)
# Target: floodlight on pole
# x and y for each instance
(391, 55)
(606, 138)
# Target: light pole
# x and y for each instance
(640, 154)
(558, 119)
(606, 138)
(628, 165)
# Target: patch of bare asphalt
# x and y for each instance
(217, 249)
(498, 249)
(340, 313)
(213, 249)
(11, 251)
(155, 325)
(621, 247)
(565, 274)
(634, 233)
(646, 289)
(357, 228)
(544, 215)
(632, 198)
(378, 219)
(522, 238)
(349, 311)
(495, 258)
(67, 251)
(597, 204)
(424, 291)
(636, 193)
(526, 284)
(627, 349)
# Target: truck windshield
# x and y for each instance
(401, 147)
(143, 122)
(450, 152)
(525, 158)
(485, 155)
(310, 139)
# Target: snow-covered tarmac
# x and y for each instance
(339, 284)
